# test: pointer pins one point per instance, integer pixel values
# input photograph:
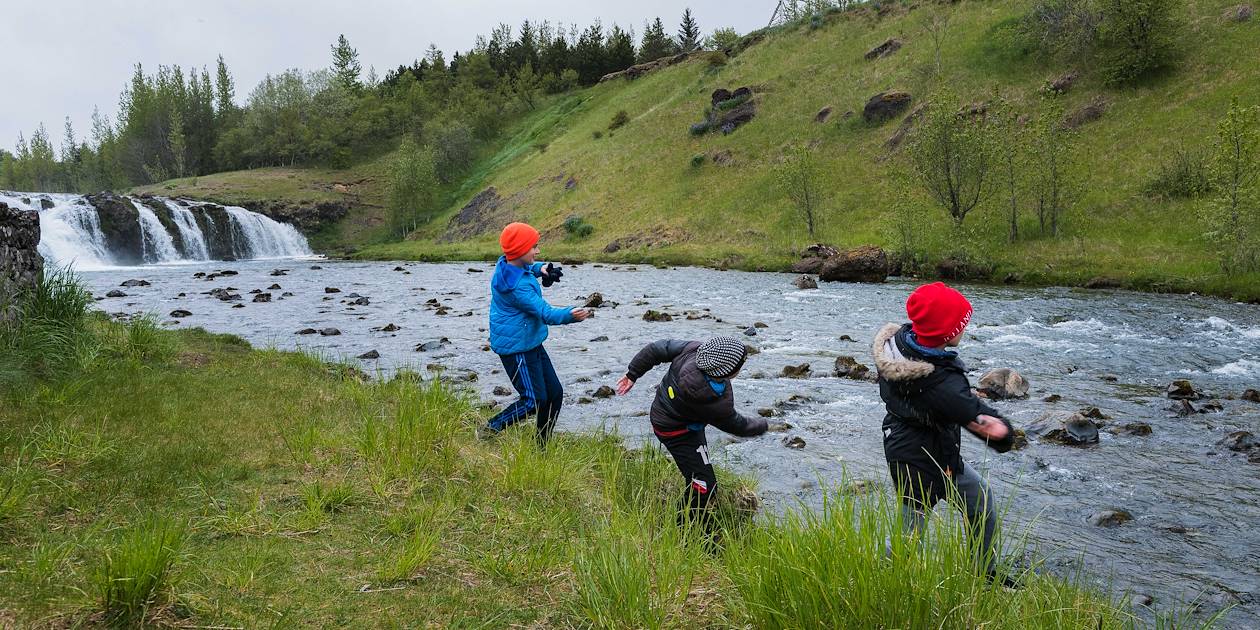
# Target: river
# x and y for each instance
(1195, 505)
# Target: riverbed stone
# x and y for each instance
(794, 442)
(370, 354)
(595, 300)
(306, 331)
(848, 367)
(656, 316)
(179, 312)
(795, 371)
(332, 290)
(604, 391)
(262, 297)
(1003, 384)
(1240, 442)
(1251, 395)
(1110, 518)
(750, 331)
(329, 332)
(1182, 389)
(134, 283)
(115, 294)
(1069, 429)
(599, 339)
(805, 282)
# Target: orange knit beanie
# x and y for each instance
(517, 239)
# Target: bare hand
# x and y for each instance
(581, 314)
(989, 428)
(624, 385)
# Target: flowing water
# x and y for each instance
(1195, 504)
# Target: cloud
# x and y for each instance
(67, 56)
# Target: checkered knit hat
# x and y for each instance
(721, 357)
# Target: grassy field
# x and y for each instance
(183, 479)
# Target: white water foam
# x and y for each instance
(1241, 367)
(194, 241)
(158, 245)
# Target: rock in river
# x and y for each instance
(1003, 383)
(795, 371)
(330, 332)
(604, 391)
(370, 354)
(805, 282)
(848, 367)
(1182, 390)
(1110, 518)
(655, 316)
(795, 442)
(1064, 428)
(179, 312)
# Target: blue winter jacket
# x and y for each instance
(519, 315)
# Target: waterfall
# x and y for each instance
(106, 230)
(194, 241)
(159, 247)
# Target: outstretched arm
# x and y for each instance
(650, 356)
(996, 431)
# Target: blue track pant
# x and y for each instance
(541, 393)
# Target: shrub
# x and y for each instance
(801, 180)
(619, 120)
(952, 157)
(597, 134)
(1067, 29)
(700, 128)
(697, 160)
(135, 574)
(1184, 175)
(453, 148)
(1234, 216)
(1138, 38)
(577, 227)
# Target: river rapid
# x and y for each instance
(1195, 533)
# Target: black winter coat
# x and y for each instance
(685, 396)
(929, 400)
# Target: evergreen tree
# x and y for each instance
(619, 54)
(688, 32)
(656, 43)
(346, 66)
(588, 55)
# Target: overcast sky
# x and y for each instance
(65, 56)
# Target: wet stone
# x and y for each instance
(655, 316)
(306, 331)
(604, 391)
(177, 313)
(115, 294)
(794, 442)
(500, 390)
(599, 339)
(332, 290)
(1182, 389)
(1110, 518)
(751, 332)
(329, 332)
(370, 354)
(795, 371)
(134, 283)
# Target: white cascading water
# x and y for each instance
(70, 232)
(268, 238)
(159, 247)
(189, 231)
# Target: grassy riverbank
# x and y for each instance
(184, 479)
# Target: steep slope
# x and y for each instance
(638, 185)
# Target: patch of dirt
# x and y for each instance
(193, 359)
(656, 237)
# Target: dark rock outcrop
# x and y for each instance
(638, 70)
(484, 212)
(308, 218)
(862, 264)
(848, 367)
(1087, 113)
(120, 227)
(886, 105)
(795, 371)
(804, 282)
(1240, 13)
(21, 266)
(1063, 83)
(889, 47)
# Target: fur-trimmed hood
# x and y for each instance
(891, 364)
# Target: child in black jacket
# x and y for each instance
(695, 392)
(929, 401)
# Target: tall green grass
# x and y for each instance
(135, 575)
(52, 330)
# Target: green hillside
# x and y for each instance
(644, 186)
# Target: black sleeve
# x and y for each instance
(1005, 444)
(654, 354)
(953, 402)
(725, 417)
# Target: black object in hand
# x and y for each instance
(551, 275)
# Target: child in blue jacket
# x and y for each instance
(519, 317)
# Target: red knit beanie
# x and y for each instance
(937, 313)
(517, 239)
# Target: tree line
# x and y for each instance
(173, 122)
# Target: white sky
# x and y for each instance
(62, 57)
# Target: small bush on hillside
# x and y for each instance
(1137, 38)
(577, 227)
(801, 180)
(1008, 41)
(697, 160)
(412, 181)
(1234, 216)
(619, 120)
(597, 134)
(1066, 29)
(952, 157)
(453, 148)
(1184, 175)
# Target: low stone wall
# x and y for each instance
(20, 262)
